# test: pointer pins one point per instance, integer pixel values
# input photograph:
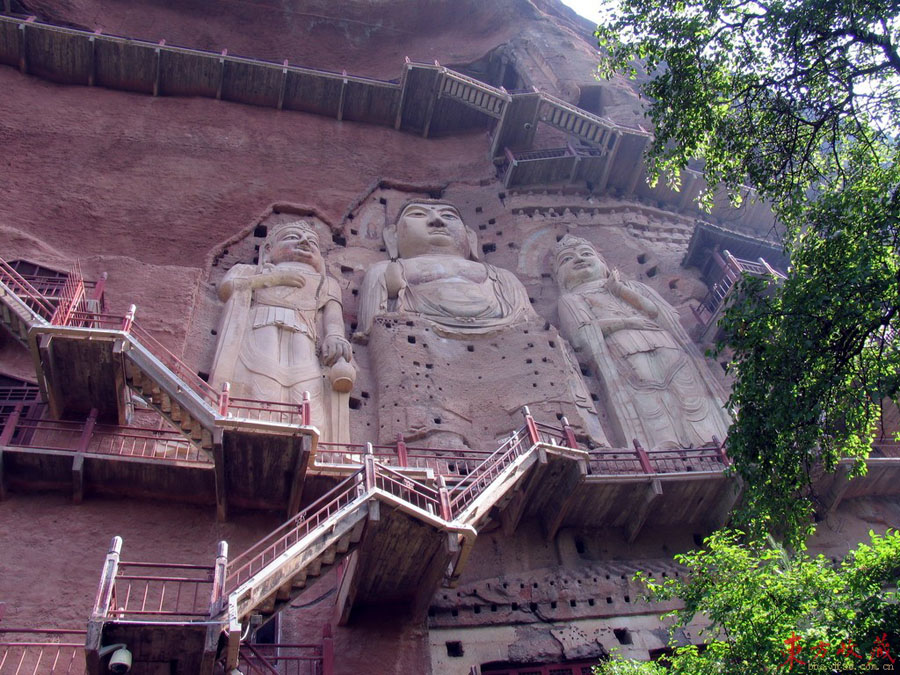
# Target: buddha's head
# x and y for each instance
(576, 262)
(293, 242)
(428, 227)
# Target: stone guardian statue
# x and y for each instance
(658, 389)
(282, 331)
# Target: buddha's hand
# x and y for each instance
(393, 279)
(614, 284)
(335, 347)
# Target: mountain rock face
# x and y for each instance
(437, 268)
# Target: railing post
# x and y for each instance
(99, 287)
(223, 399)
(444, 497)
(327, 651)
(305, 411)
(217, 595)
(643, 457)
(402, 455)
(107, 580)
(569, 434)
(10, 427)
(129, 319)
(88, 431)
(369, 466)
(720, 450)
(531, 426)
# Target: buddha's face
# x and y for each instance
(425, 228)
(579, 264)
(295, 245)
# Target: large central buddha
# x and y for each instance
(434, 272)
(455, 345)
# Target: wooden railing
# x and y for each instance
(69, 436)
(41, 651)
(151, 591)
(263, 552)
(25, 292)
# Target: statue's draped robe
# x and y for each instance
(269, 340)
(659, 389)
(468, 313)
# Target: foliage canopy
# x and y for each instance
(800, 100)
(764, 605)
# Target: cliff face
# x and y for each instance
(364, 37)
(166, 194)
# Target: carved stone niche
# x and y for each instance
(596, 590)
(280, 326)
(455, 348)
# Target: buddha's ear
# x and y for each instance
(473, 244)
(390, 241)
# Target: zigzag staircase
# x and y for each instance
(90, 364)
(395, 539)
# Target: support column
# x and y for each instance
(78, 462)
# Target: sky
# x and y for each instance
(590, 9)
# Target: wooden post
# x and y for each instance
(327, 651)
(530, 426)
(369, 469)
(99, 288)
(105, 593)
(642, 456)
(305, 410)
(569, 435)
(402, 455)
(720, 450)
(217, 596)
(223, 399)
(444, 497)
(10, 427)
(129, 319)
(78, 462)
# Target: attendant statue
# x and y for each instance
(454, 343)
(659, 390)
(282, 331)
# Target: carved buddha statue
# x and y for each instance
(659, 390)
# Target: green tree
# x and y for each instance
(767, 611)
(800, 100)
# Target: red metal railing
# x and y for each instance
(180, 369)
(411, 491)
(41, 651)
(618, 461)
(27, 293)
(157, 444)
(484, 474)
(282, 538)
(265, 411)
(161, 591)
(281, 659)
(449, 462)
(70, 298)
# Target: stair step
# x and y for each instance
(165, 403)
(206, 442)
(299, 580)
(315, 568)
(196, 431)
(343, 544)
(186, 422)
(267, 606)
(327, 556)
(175, 412)
(284, 592)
